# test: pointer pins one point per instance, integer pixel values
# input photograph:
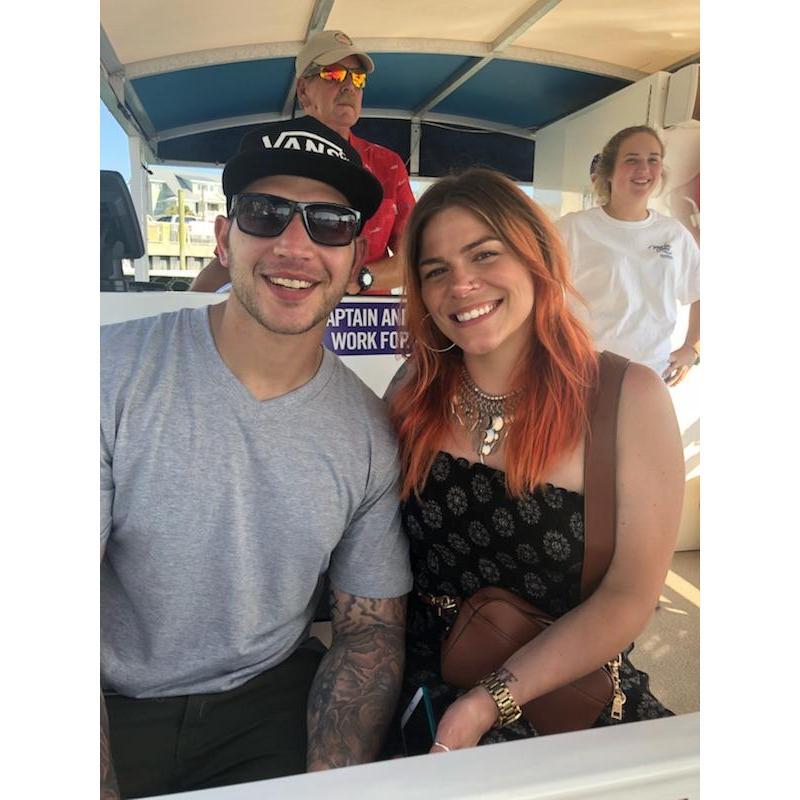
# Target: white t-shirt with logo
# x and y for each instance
(632, 276)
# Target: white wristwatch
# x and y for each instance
(365, 279)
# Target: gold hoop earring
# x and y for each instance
(434, 349)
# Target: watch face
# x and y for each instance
(365, 278)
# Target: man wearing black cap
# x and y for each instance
(210, 577)
(331, 73)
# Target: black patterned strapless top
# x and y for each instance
(465, 533)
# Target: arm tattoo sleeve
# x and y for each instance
(108, 779)
(355, 691)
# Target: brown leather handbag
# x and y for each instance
(494, 623)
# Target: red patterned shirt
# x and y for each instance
(385, 227)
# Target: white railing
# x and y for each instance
(654, 760)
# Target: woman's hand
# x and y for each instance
(465, 721)
(680, 362)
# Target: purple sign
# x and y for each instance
(365, 329)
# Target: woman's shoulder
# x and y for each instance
(642, 390)
(404, 374)
(650, 462)
(644, 401)
(640, 380)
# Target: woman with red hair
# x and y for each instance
(491, 416)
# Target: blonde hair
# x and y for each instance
(608, 160)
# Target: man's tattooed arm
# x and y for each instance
(355, 691)
(109, 790)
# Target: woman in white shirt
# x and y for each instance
(633, 265)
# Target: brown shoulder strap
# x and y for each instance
(600, 473)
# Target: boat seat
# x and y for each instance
(120, 235)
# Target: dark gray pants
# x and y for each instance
(250, 733)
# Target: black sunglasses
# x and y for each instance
(266, 215)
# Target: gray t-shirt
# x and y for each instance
(220, 513)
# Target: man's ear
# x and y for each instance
(222, 228)
(359, 254)
(302, 97)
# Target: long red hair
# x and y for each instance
(554, 374)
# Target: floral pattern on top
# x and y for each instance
(466, 533)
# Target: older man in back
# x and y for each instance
(331, 74)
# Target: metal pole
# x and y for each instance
(141, 202)
(181, 231)
(416, 136)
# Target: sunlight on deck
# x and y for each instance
(683, 588)
(669, 648)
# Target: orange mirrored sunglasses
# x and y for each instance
(338, 74)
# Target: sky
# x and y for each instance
(113, 144)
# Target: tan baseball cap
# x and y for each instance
(328, 47)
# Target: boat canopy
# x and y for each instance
(456, 82)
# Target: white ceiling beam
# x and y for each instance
(457, 79)
(316, 23)
(231, 55)
(119, 96)
(211, 58)
(684, 62)
(109, 94)
(482, 125)
(366, 113)
(108, 56)
(461, 76)
(523, 23)
(219, 124)
(319, 17)
(593, 66)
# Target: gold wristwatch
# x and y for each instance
(507, 706)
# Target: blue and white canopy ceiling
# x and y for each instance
(456, 81)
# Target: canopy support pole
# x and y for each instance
(416, 136)
(140, 189)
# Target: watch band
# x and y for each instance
(508, 709)
(696, 355)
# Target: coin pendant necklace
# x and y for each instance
(486, 416)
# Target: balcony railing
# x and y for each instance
(163, 241)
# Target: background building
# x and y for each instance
(168, 248)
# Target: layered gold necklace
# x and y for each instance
(485, 416)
